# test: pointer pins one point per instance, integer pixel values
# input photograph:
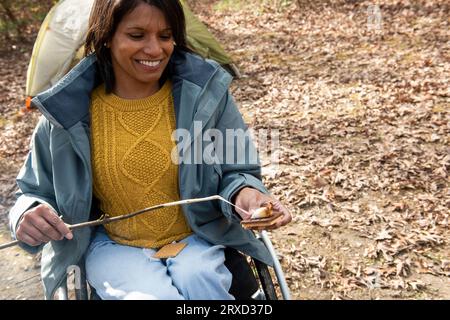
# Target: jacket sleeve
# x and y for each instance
(35, 180)
(245, 170)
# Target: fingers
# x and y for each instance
(34, 233)
(277, 206)
(27, 234)
(28, 240)
(46, 229)
(251, 199)
(41, 225)
(242, 200)
(59, 228)
(285, 218)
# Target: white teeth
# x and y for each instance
(150, 63)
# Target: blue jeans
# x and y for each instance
(123, 272)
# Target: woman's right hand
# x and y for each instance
(40, 225)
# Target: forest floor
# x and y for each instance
(358, 96)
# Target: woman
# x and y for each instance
(105, 139)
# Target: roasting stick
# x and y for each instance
(105, 219)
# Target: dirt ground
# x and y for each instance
(359, 95)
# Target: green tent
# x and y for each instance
(59, 44)
(201, 40)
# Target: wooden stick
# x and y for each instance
(106, 220)
(9, 244)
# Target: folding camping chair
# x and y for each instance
(251, 280)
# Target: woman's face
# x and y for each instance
(140, 50)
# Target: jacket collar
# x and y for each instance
(67, 102)
(197, 83)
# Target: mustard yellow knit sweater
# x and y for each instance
(132, 166)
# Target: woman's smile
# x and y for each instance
(151, 64)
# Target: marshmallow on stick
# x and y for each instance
(263, 212)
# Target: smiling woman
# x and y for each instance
(134, 41)
(104, 145)
(140, 51)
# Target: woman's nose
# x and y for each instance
(152, 48)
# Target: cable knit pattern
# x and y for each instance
(132, 167)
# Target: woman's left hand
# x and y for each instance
(251, 199)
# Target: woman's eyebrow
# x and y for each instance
(143, 29)
(134, 28)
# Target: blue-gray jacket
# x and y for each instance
(58, 169)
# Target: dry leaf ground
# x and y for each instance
(360, 99)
